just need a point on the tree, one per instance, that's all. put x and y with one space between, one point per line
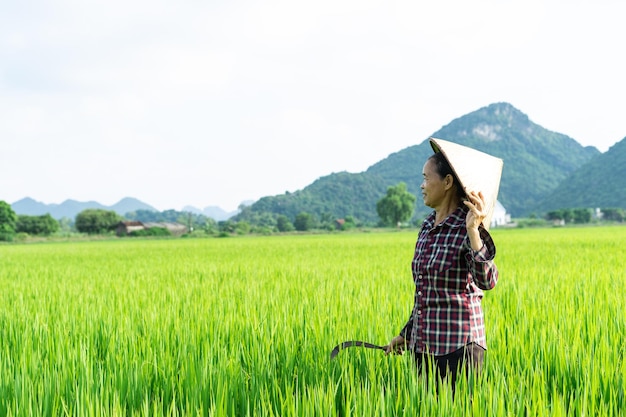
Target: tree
227 226
327 221
66 225
8 220
283 224
582 215
554 215
94 221
37 225
304 221
568 215
210 226
348 223
242 228
397 206
564 214
614 214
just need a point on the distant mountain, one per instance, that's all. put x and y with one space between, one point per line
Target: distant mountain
29 207
70 208
536 160
214 212
601 182
128 204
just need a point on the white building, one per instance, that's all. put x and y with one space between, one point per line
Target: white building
500 216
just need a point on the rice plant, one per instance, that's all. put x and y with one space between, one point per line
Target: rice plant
244 327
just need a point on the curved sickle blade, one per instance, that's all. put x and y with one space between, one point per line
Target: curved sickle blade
351 343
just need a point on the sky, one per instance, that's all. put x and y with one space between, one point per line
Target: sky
216 102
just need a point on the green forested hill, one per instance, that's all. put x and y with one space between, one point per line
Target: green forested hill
536 160
333 196
599 183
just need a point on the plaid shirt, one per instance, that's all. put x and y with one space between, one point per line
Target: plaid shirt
448 277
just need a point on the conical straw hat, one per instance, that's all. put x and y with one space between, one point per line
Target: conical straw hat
475 170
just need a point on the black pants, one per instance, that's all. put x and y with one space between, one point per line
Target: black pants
469 359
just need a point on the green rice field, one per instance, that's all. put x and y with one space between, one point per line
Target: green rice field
244 327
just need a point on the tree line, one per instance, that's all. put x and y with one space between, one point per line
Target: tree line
394 209
586 215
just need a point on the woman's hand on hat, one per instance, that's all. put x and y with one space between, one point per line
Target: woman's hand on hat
477 209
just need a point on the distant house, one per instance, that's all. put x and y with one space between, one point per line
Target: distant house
127 226
500 216
597 214
176 229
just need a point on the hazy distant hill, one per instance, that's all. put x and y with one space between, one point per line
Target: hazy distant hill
599 183
214 212
535 161
128 204
70 208
29 207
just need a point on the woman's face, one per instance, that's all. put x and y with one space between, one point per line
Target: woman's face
433 186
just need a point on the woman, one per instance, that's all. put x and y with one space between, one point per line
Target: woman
453 263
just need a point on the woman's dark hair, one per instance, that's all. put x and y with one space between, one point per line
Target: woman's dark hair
443 168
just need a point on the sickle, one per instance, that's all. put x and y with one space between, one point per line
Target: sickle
351 343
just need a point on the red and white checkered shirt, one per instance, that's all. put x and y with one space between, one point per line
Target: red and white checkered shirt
449 277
